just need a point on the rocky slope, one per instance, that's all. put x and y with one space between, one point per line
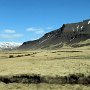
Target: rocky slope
69 34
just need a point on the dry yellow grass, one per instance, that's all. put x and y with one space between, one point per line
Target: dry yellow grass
15 86
46 62
55 62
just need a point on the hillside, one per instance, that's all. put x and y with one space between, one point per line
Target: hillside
69 34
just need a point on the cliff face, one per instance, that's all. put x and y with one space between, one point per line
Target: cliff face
69 34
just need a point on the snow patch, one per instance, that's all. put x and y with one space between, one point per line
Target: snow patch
48 36
88 22
81 27
77 27
73 29
11 45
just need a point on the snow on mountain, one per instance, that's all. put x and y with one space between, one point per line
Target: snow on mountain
9 45
88 22
70 34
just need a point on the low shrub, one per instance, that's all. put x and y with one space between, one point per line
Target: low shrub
19 55
27 54
11 56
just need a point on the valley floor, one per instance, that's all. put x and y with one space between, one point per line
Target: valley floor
42 86
62 62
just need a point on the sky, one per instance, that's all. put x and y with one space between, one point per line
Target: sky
26 20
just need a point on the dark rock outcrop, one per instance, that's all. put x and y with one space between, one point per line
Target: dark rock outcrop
68 34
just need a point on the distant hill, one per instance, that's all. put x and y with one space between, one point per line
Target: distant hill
69 34
9 45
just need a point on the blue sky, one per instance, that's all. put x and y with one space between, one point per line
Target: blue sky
24 20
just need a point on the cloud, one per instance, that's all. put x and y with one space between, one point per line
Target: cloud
33 38
36 30
10 34
9 31
50 27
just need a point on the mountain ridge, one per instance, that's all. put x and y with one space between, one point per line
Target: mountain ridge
67 34
9 45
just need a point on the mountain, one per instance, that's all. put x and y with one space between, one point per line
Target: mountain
8 45
69 34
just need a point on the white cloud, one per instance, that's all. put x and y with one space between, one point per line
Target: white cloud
10 36
50 27
33 38
17 35
36 30
9 31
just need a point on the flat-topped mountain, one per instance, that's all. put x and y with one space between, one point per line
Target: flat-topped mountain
69 34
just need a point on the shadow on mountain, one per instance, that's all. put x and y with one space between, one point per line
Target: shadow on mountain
69 34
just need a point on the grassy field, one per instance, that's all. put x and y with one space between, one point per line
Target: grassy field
51 63
15 86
